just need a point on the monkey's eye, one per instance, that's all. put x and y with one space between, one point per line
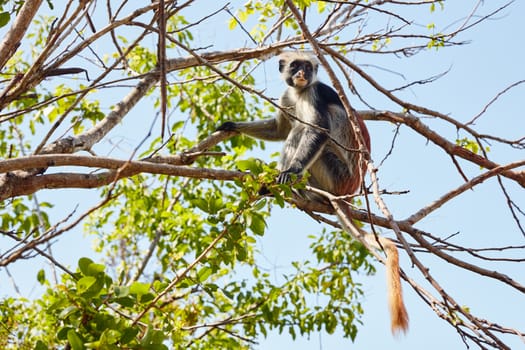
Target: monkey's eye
308 68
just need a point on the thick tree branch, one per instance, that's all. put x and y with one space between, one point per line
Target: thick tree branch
12 39
18 184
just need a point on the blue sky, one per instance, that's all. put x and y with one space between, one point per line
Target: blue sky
478 71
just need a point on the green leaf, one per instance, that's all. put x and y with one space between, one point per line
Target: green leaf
85 283
74 340
62 333
4 18
125 301
83 265
121 292
128 335
153 337
146 298
204 273
67 312
252 164
41 276
40 345
257 224
90 286
471 145
109 336
241 252
202 204
89 268
186 282
95 269
139 288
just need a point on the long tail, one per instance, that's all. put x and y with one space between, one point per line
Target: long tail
398 312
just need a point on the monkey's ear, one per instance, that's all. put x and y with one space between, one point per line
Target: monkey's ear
282 64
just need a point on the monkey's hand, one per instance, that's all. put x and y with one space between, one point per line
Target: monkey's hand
228 126
287 176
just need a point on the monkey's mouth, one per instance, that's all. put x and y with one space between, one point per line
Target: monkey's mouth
300 81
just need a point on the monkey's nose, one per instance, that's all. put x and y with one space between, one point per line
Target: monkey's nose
300 76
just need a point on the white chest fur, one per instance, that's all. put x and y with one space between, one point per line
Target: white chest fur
302 103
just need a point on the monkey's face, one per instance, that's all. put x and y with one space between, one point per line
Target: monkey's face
298 73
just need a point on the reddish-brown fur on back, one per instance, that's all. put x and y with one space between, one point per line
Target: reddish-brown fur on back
353 183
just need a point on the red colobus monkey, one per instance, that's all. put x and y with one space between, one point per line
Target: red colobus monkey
318 139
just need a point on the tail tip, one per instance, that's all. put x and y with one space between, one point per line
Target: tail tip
400 324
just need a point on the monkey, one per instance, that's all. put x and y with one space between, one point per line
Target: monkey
319 139
319 132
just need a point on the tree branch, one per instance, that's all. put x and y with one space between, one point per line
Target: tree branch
451 148
18 184
13 37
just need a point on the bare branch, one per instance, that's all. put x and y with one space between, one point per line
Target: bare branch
451 148
12 39
17 184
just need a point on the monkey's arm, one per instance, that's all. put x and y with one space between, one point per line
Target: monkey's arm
274 129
